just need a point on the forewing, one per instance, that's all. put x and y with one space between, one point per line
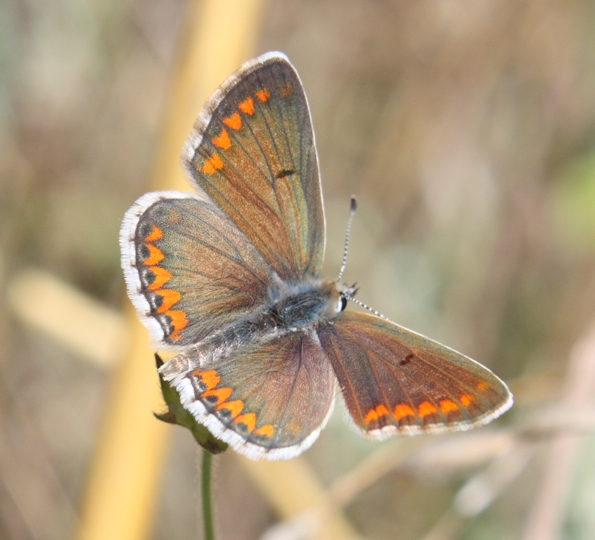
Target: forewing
268 400
253 153
396 381
188 269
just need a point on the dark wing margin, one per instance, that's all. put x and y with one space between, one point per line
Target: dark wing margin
253 152
396 381
188 269
267 400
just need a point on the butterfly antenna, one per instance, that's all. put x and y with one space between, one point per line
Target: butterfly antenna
352 210
367 307
348 292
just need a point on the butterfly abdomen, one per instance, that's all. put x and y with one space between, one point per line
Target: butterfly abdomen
297 308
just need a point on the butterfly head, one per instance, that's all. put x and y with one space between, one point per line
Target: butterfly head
346 293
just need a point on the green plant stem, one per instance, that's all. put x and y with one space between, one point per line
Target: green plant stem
207 506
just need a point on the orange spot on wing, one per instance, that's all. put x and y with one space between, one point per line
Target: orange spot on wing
169 298
178 321
403 410
466 399
162 276
263 95
267 430
234 121
209 378
212 164
374 414
381 410
223 140
482 386
286 90
425 408
447 405
234 407
222 394
370 416
155 255
247 106
248 419
156 234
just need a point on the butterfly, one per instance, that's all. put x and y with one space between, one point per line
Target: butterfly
228 277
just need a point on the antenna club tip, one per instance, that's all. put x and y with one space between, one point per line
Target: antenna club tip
353 203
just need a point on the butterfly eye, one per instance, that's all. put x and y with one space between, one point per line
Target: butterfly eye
341 304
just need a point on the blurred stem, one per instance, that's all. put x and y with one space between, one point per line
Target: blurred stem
207 506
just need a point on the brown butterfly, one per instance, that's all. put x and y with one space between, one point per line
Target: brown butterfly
229 278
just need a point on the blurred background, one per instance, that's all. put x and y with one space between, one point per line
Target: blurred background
467 132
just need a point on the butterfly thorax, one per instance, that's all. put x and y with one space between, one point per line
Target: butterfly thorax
297 306
292 307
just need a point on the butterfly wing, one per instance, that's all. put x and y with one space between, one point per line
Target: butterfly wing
266 400
396 381
188 269
252 151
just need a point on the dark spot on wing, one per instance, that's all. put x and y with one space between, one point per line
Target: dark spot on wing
407 359
284 173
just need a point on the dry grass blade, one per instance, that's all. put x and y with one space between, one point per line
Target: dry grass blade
546 516
122 489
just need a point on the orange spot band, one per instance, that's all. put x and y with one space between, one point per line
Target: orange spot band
482 386
234 407
248 419
263 95
371 416
209 378
247 106
222 394
234 121
425 408
403 410
267 430
178 321
212 164
223 140
169 299
162 276
286 90
155 255
447 405
156 234
466 400
374 414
